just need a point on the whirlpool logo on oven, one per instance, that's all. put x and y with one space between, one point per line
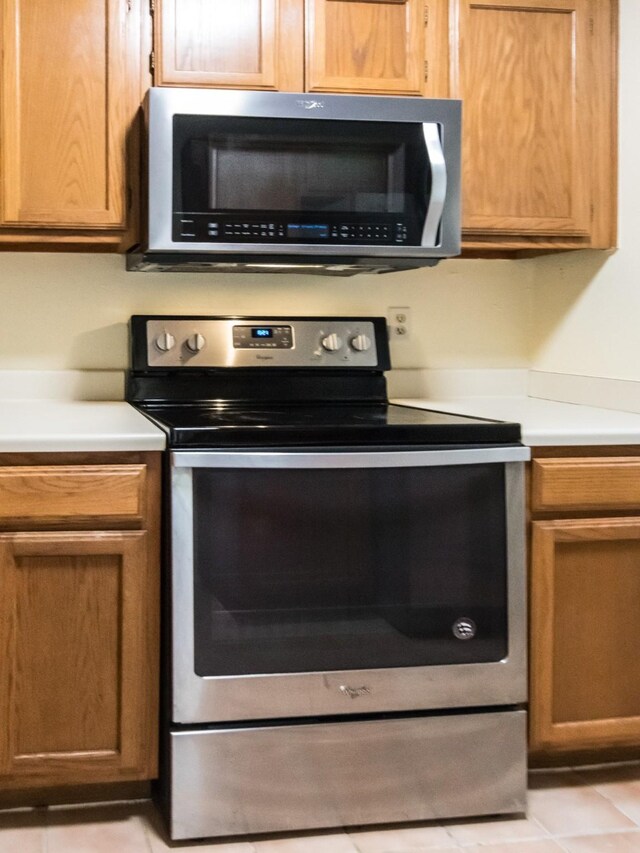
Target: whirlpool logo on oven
355 692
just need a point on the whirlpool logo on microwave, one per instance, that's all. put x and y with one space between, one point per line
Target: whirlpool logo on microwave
311 105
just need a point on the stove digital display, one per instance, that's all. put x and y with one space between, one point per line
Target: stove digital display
255 337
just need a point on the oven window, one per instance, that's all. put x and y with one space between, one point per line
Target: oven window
311 570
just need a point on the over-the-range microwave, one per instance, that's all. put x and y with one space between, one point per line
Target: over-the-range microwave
270 181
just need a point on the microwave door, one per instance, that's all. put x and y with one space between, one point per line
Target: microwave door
436 197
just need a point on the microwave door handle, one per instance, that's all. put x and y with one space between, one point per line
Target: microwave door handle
438 184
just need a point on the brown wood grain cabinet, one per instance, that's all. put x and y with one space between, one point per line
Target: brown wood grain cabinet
366 47
585 597
538 84
362 46
246 44
79 574
70 88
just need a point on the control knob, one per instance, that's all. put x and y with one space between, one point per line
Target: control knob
331 342
165 341
195 343
361 343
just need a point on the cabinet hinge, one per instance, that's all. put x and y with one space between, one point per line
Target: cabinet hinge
592 211
152 61
426 71
426 16
591 26
152 6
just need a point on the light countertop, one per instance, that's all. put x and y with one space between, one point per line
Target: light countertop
75 425
544 422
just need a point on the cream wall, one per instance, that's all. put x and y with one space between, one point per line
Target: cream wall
63 311
587 305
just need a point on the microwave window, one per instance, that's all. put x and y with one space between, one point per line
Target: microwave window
260 176
300 167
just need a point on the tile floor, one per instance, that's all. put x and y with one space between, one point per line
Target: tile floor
584 810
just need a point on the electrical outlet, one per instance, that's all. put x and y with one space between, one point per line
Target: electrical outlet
399 323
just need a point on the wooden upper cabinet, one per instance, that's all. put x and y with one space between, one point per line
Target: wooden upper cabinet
522 70
70 89
246 44
368 46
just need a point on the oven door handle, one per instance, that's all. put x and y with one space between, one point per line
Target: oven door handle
347 458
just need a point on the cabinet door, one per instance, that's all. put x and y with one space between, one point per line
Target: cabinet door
524 72
366 46
250 44
78 647
585 649
70 89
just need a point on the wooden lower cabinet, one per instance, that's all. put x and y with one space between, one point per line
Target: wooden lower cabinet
585 646
79 646
584 604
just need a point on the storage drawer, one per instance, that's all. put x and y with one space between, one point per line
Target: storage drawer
39 495
607 483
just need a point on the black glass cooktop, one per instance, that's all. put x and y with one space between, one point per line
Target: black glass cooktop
210 425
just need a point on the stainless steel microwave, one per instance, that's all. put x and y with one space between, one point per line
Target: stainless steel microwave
242 180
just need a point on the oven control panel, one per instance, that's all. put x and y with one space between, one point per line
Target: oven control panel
203 342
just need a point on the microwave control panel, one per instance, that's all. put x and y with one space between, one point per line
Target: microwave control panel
214 228
202 342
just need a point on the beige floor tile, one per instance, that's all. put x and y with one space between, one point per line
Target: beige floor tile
402 839
332 842
22 831
618 842
97 829
619 784
548 846
494 830
518 847
159 844
575 809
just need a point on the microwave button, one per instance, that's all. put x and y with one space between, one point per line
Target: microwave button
187 228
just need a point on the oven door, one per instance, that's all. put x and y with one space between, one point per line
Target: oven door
345 582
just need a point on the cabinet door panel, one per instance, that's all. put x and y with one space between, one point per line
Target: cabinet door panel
78 638
603 483
32 495
252 44
69 91
521 69
585 652
366 46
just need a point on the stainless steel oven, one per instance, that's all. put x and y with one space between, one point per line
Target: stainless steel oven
345 588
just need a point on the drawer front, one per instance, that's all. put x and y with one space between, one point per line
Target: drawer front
607 483
37 495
